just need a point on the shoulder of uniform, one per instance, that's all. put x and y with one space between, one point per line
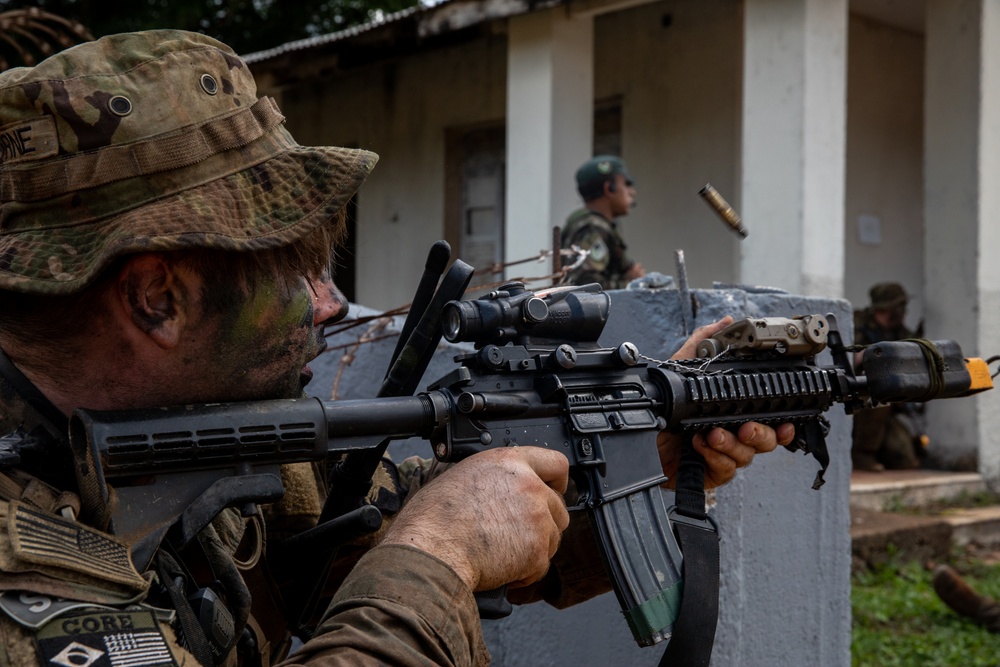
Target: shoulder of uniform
586 221
63 632
44 554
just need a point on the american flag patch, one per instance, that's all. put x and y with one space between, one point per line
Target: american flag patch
137 649
43 539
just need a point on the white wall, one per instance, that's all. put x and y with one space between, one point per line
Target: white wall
680 88
676 65
400 110
679 85
885 88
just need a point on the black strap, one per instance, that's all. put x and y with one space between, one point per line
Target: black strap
693 633
192 635
349 480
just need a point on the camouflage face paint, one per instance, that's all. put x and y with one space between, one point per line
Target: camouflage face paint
262 344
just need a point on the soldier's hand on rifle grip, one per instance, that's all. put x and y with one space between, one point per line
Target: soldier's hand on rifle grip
506 516
724 452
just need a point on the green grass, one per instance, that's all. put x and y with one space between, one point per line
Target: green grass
898 620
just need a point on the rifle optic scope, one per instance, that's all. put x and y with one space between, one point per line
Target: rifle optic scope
512 313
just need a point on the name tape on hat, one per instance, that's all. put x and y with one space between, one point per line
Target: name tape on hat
26 140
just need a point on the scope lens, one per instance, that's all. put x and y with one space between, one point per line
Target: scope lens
451 321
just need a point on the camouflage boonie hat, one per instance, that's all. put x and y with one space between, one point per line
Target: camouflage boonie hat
599 169
151 141
887 295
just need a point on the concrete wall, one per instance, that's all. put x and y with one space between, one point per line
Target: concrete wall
961 206
400 110
785 597
675 65
885 121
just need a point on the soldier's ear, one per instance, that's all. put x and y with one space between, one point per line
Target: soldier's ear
153 292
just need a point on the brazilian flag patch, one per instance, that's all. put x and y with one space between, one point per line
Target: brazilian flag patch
106 638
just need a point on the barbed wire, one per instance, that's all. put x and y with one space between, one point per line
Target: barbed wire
348 357
379 322
29 35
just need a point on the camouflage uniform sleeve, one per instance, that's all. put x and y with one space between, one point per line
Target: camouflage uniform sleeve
596 268
414 472
70 595
625 260
399 606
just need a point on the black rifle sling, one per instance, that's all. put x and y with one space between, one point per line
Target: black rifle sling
350 479
693 633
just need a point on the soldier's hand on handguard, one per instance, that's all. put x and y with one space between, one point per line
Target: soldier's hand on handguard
495 517
724 452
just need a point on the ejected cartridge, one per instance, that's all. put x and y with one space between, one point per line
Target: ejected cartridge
725 211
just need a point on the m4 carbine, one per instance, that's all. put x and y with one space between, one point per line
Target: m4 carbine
537 377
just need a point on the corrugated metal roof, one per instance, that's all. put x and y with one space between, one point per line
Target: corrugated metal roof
330 38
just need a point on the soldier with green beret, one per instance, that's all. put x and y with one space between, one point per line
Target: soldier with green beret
608 193
165 241
887 436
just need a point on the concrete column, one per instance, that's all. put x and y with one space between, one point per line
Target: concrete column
550 116
962 215
794 119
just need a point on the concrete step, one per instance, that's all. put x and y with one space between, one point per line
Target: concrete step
893 490
892 515
979 525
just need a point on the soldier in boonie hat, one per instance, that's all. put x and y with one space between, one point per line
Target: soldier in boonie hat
150 141
887 295
886 436
164 241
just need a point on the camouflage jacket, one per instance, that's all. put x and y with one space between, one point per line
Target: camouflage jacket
70 594
608 261
867 330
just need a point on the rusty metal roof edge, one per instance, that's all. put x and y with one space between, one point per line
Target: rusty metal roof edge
442 17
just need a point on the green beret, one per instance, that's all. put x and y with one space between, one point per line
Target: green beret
597 170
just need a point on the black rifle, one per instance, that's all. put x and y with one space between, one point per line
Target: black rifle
537 377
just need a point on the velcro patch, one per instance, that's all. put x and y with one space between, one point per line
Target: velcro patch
105 639
599 254
33 610
48 540
27 140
